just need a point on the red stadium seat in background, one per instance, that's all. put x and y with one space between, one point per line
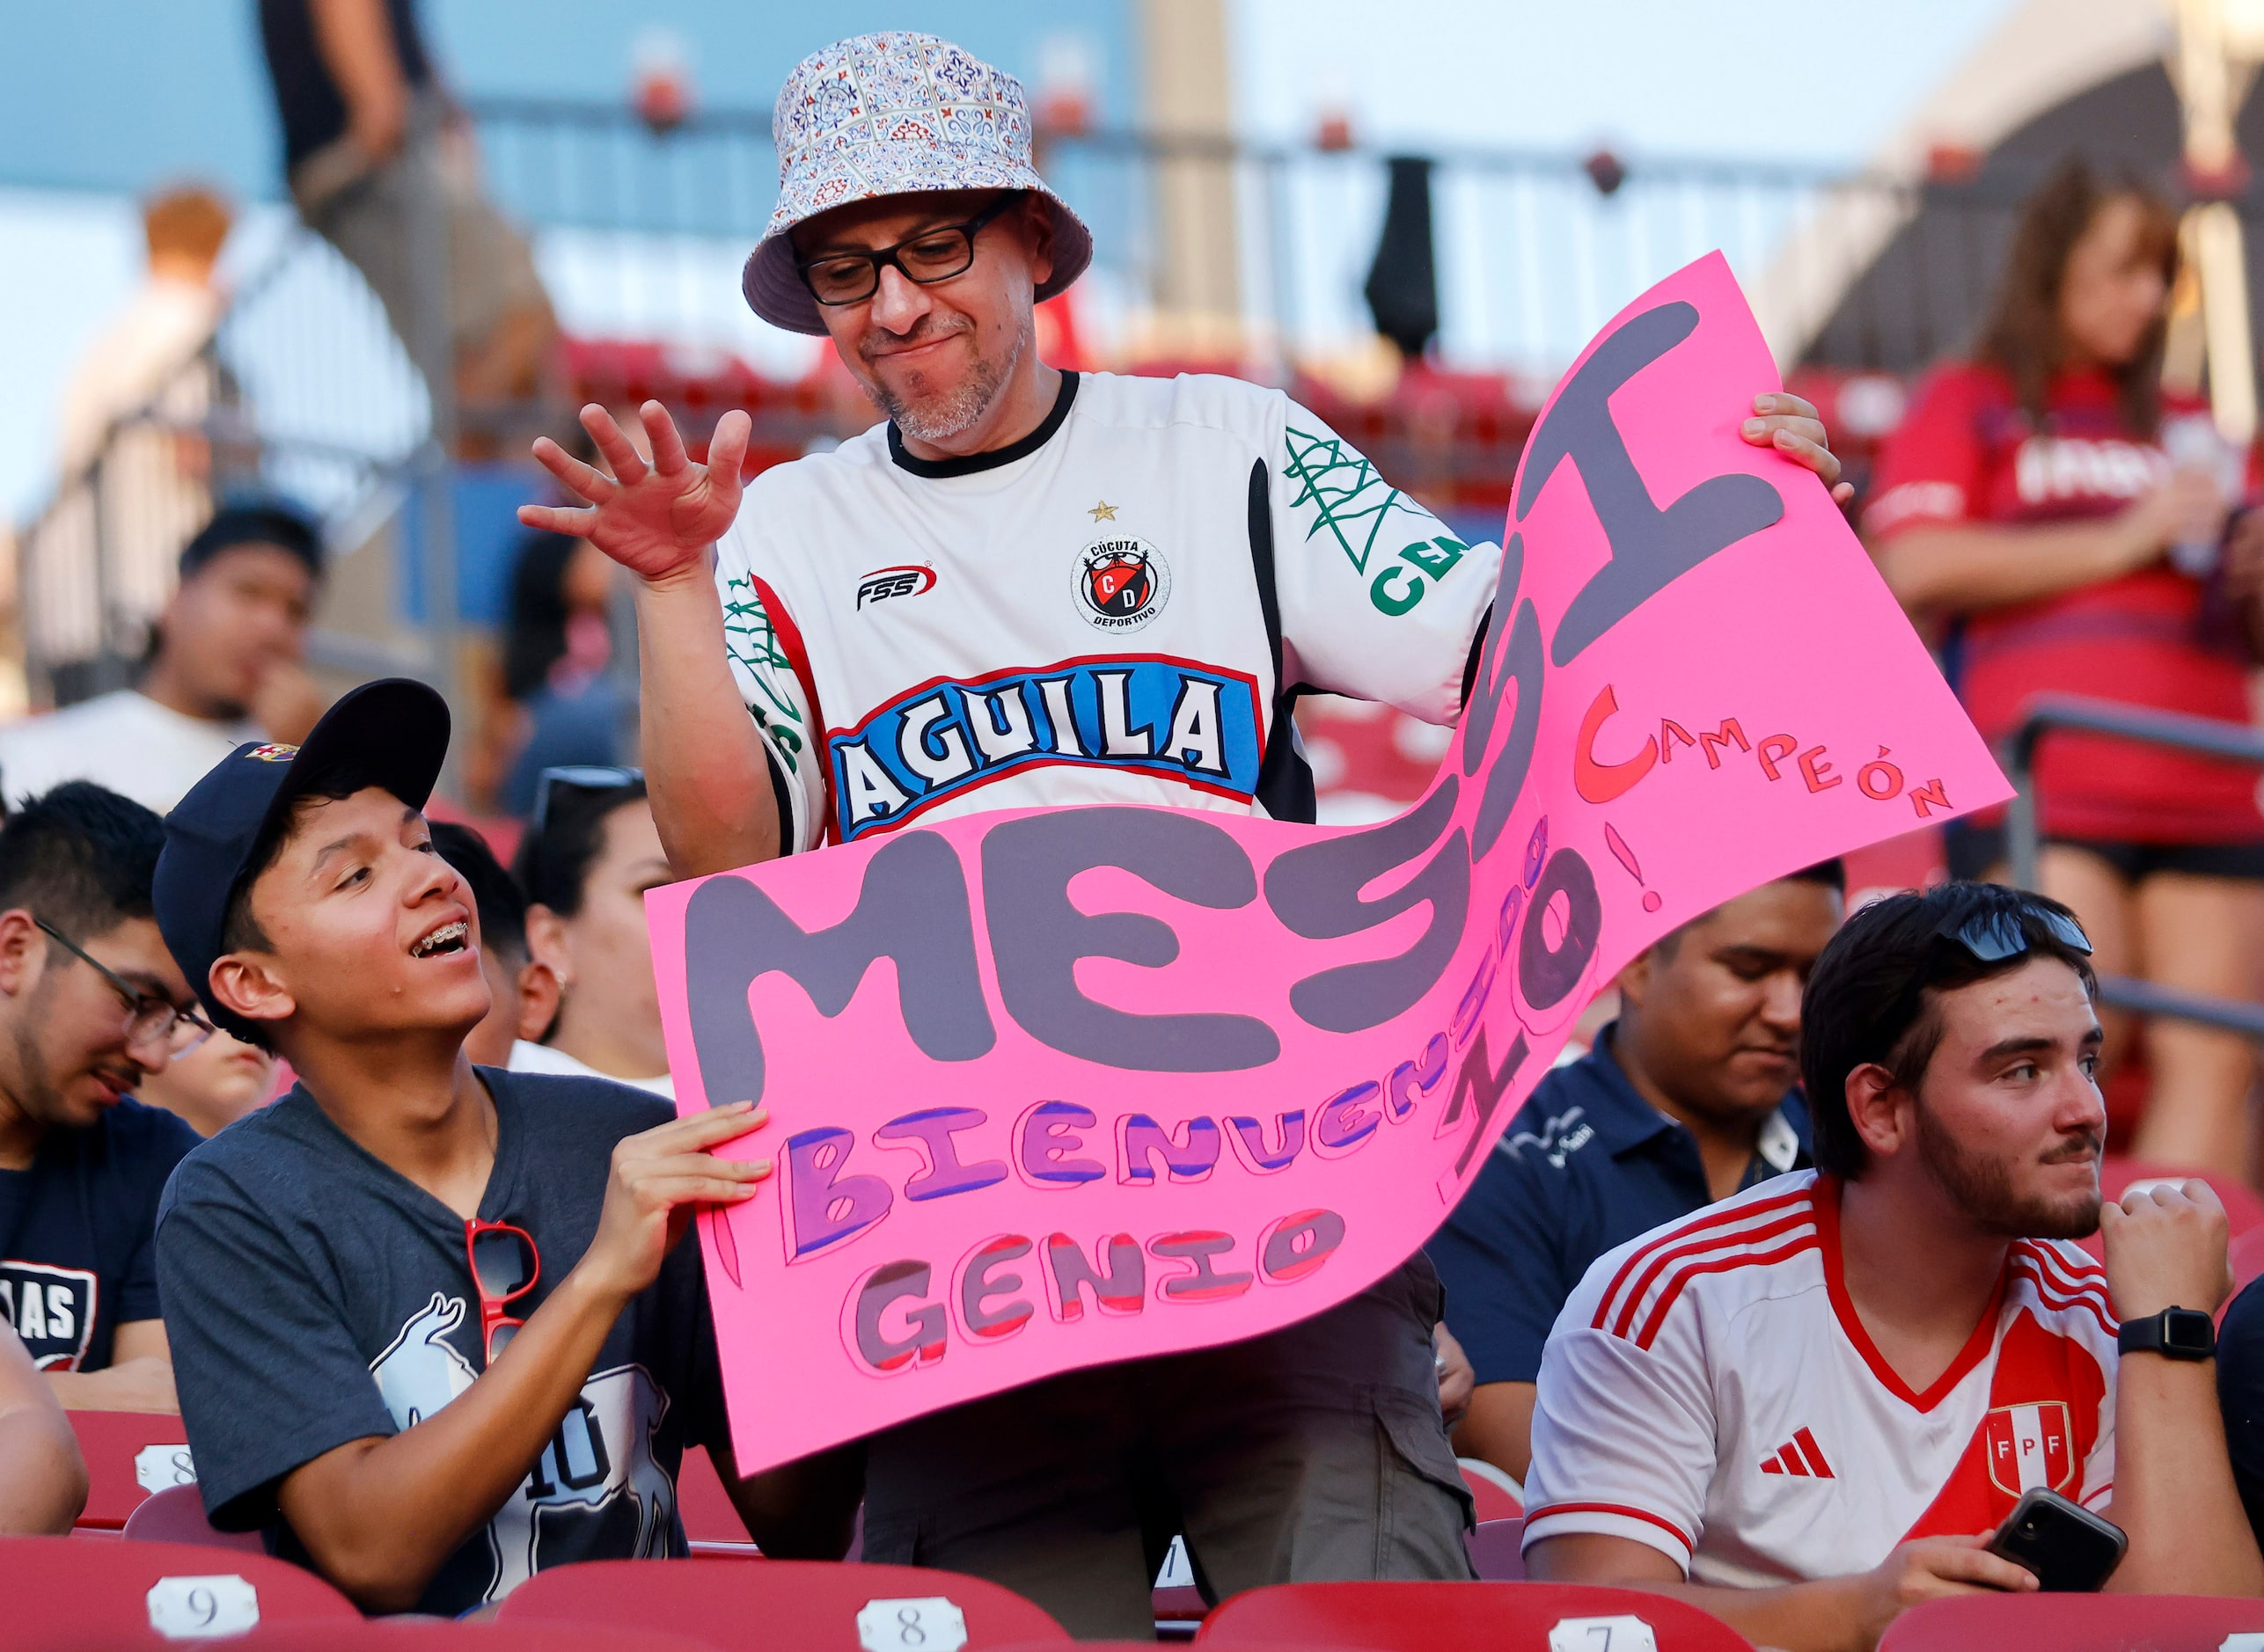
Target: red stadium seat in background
64 1594
129 1455
1497 1495
1498 1550
2248 1258
1423 1617
2072 1623
1145 1646
811 1605
711 1520
398 1635
176 1515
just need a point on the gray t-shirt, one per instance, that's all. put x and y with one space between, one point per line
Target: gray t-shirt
313 1296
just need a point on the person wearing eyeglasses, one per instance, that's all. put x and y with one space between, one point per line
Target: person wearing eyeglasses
1029 587
433 1326
588 854
92 1007
1810 1406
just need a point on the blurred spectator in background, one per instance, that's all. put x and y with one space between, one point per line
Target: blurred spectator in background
137 469
591 852
561 707
224 667
215 1081
369 139
1691 1095
523 988
42 1475
146 361
2032 497
92 1005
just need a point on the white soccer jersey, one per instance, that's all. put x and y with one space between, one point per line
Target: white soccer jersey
1709 1390
1081 617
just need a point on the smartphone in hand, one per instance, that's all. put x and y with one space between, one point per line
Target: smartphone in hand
2072 1550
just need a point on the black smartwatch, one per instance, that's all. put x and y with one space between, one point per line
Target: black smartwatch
2174 1333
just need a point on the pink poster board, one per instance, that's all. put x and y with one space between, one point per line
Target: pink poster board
1053 1087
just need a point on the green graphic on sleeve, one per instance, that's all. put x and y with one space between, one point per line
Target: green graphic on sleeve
1343 492
752 641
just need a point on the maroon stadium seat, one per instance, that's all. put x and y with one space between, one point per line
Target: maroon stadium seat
176 1515
1144 1646
711 1520
114 1442
811 1605
64 1593
2072 1623
396 1634
2247 1258
1423 1617
1498 1550
1490 1490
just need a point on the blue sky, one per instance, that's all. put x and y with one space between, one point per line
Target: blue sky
102 98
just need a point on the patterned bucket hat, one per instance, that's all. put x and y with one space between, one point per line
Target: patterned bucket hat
896 113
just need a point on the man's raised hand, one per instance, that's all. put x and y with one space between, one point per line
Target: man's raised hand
655 519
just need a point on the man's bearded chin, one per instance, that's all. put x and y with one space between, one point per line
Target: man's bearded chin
940 416
1982 1189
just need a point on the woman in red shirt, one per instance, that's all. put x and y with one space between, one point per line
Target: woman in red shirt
2030 498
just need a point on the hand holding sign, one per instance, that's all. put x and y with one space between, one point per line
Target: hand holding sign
1139 1080
658 1176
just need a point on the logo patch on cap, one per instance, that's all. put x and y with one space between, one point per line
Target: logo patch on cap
272 753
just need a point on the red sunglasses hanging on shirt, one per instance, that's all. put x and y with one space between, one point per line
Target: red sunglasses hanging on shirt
504 1267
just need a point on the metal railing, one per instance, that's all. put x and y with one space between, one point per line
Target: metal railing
639 236
2171 731
1535 249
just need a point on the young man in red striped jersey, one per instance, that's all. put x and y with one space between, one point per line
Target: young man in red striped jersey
1816 1402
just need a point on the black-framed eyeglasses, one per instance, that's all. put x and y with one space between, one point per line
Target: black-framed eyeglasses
1994 934
931 256
151 1020
578 777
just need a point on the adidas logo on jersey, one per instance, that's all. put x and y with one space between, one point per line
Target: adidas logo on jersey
1802 1455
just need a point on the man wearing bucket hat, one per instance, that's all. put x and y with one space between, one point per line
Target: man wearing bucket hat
1033 587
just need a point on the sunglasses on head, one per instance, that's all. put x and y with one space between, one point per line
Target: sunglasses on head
1994 934
579 777
504 1267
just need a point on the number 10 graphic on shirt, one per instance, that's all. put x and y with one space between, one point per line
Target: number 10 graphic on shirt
1053 1087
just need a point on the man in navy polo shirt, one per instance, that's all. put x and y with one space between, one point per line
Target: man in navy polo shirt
91 1005
1690 1096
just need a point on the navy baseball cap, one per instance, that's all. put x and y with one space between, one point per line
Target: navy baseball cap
392 734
